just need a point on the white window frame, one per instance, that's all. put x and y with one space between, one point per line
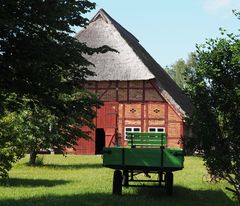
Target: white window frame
132 130
156 129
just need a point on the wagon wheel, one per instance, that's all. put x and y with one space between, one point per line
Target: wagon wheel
169 183
160 178
125 178
117 182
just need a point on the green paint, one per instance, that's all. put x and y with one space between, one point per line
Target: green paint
146 139
160 158
145 157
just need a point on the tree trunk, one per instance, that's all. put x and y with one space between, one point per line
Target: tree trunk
33 157
238 194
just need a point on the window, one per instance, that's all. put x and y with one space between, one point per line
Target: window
131 129
156 129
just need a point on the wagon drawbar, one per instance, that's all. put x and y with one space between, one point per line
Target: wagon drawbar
147 153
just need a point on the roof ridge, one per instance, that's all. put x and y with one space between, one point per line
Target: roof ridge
109 19
101 13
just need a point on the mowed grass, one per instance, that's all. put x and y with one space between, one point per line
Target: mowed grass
81 180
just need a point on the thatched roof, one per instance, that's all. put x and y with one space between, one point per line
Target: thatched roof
103 30
132 62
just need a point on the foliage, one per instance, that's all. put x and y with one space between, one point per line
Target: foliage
214 87
72 180
11 143
178 70
43 68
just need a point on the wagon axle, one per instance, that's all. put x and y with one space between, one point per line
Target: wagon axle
122 178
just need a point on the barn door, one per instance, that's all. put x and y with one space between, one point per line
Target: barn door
85 146
107 119
111 123
111 115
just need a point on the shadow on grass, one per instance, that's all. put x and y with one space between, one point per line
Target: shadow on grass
185 196
74 166
19 182
140 197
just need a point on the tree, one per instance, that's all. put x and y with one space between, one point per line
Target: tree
42 69
214 87
11 142
178 70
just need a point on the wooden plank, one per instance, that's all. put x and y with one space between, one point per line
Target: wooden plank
146 139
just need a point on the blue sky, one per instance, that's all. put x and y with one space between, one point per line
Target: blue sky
170 29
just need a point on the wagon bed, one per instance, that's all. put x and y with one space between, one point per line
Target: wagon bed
148 159
146 153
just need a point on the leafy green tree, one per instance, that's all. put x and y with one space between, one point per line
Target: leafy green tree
178 70
11 141
42 69
214 87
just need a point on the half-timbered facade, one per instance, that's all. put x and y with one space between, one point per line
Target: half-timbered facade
138 94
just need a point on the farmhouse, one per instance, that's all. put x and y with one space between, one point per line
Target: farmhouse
138 94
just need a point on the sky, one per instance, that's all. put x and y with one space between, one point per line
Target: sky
170 29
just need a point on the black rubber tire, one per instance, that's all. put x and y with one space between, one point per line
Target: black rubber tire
125 178
117 182
160 178
169 183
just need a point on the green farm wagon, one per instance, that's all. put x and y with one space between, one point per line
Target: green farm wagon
146 153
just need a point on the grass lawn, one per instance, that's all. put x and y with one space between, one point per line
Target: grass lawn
81 180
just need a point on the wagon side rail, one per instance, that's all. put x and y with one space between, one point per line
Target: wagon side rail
153 139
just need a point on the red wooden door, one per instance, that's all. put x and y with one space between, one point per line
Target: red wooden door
111 115
107 119
85 146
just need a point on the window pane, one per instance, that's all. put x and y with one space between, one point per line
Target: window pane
152 130
128 129
136 129
160 129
